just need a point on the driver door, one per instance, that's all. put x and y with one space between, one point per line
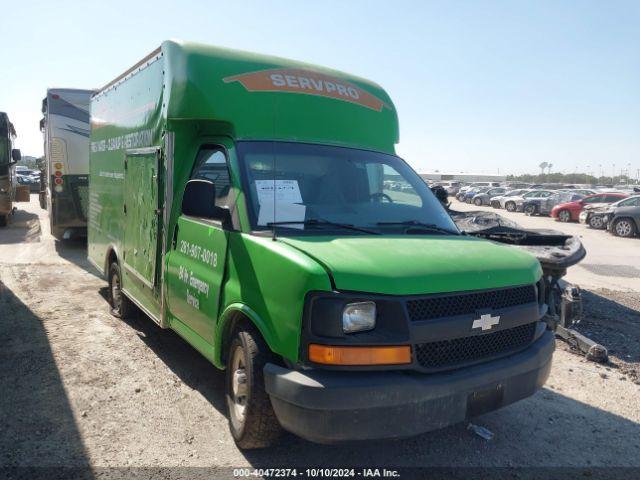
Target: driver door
198 253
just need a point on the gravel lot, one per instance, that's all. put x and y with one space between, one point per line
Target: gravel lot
81 388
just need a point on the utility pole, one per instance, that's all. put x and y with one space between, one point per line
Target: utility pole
613 173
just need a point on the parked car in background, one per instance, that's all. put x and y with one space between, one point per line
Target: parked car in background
514 204
570 211
596 215
544 205
499 201
484 198
452 188
476 185
468 196
517 186
583 191
623 220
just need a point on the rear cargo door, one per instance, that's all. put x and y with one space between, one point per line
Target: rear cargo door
142 214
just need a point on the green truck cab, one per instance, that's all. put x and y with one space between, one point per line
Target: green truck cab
256 206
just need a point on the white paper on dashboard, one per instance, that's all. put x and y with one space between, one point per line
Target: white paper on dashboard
285 212
287 191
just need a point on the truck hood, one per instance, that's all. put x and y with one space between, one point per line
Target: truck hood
412 264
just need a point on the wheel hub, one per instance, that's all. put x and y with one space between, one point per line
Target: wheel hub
238 385
115 290
623 228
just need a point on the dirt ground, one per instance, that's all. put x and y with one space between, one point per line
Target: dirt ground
82 388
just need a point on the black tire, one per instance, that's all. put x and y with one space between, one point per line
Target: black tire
478 202
252 420
121 306
510 206
597 222
623 227
58 233
530 210
564 216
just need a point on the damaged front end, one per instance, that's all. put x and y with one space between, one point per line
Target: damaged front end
556 252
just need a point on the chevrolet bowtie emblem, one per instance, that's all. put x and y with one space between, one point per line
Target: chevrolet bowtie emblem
486 322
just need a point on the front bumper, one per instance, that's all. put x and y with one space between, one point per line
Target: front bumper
332 406
582 218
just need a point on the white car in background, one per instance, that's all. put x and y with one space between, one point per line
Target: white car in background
514 204
499 201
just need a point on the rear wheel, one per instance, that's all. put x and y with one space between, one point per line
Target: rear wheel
564 216
252 420
121 306
478 202
597 222
510 206
624 227
530 210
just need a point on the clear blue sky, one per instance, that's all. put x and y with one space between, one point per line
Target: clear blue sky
479 85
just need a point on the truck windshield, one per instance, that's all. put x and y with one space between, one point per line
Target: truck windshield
319 185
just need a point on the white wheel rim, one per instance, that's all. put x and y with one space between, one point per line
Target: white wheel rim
623 228
239 392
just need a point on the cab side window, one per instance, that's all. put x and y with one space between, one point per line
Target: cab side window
211 164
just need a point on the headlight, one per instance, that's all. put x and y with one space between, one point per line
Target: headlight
358 317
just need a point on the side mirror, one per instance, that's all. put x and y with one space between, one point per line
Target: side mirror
15 155
199 200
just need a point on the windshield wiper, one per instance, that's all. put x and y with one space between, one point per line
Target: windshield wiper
426 226
316 222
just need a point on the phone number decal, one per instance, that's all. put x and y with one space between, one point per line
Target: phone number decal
199 253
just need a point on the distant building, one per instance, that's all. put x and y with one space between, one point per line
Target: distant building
463 177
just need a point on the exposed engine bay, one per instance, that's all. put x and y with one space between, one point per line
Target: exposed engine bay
556 252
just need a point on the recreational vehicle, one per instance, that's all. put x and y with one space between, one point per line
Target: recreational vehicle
64 193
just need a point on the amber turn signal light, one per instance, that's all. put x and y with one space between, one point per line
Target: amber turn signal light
333 355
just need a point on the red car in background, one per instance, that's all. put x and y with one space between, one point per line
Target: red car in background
568 212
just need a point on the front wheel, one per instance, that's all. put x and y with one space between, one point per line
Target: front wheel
597 222
510 206
564 216
252 420
530 210
478 202
624 227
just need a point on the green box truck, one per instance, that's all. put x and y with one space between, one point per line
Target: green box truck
8 158
256 206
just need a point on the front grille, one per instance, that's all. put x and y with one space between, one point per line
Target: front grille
460 351
469 303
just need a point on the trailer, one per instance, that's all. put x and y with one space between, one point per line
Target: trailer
65 178
8 158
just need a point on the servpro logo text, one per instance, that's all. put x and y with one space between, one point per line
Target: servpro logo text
307 82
